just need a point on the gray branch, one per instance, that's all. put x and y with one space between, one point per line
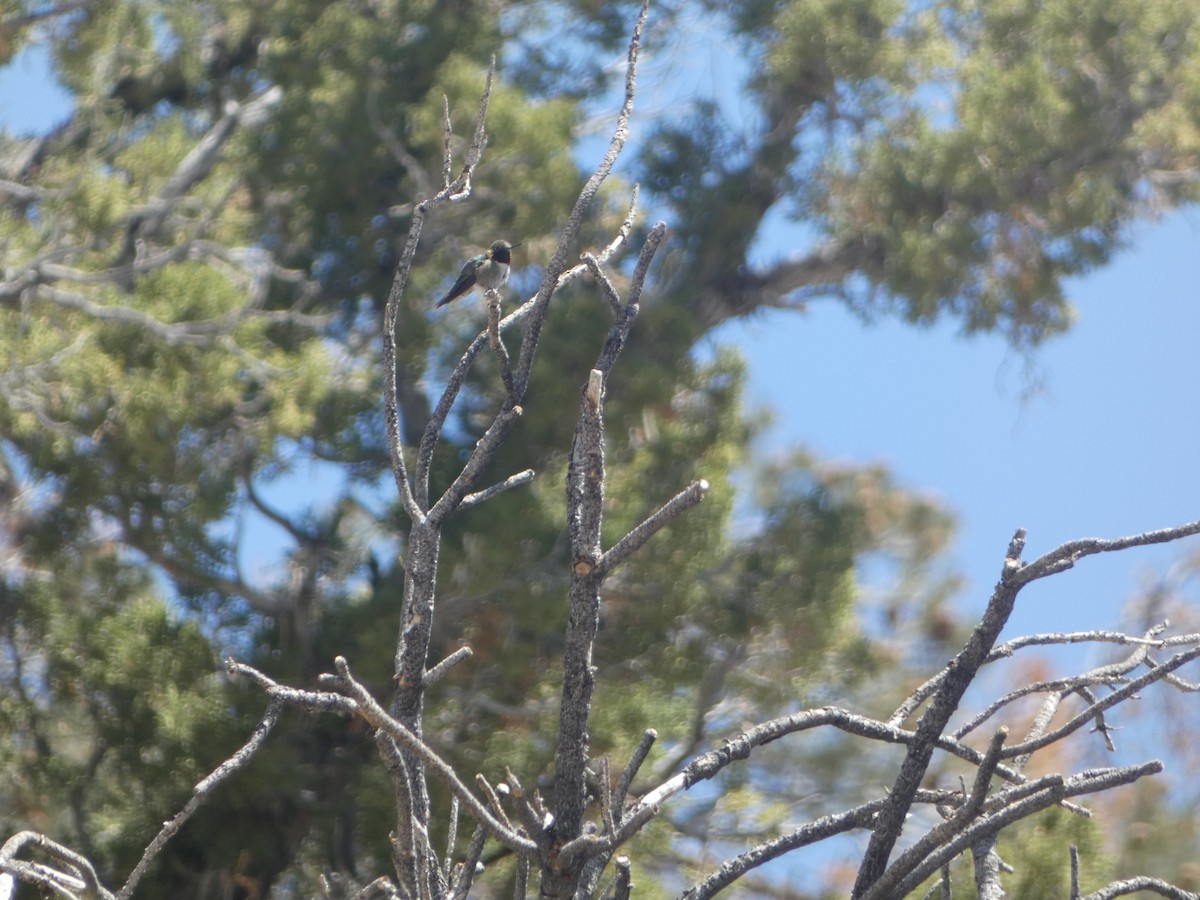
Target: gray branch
636 539
437 420
201 792
961 672
75 877
558 263
1139 884
451 191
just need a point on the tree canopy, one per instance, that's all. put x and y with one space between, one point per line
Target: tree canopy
197 265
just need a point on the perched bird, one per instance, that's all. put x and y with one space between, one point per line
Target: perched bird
487 270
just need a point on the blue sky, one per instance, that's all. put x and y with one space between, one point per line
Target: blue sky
1106 445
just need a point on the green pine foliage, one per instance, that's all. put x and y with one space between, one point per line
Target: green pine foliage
196 334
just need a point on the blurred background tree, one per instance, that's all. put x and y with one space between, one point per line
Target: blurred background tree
195 263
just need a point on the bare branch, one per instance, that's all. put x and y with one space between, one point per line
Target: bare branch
447 133
451 837
466 869
606 797
508 483
481 457
496 342
438 672
958 821
585 506
377 717
1108 674
1060 686
457 377
558 263
1007 649
451 191
740 747
826 827
962 670
1190 687
201 793
1002 810
1141 883
1129 690
585 502
76 877
987 866
531 817
623 884
361 703
983 775
941 887
1065 556
636 539
493 799
606 286
649 736
406 848
521 882
966 838
461 188
619 332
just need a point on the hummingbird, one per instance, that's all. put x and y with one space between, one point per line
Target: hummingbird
487 270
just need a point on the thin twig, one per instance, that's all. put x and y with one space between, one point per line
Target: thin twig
492 798
458 375
507 484
965 814
945 701
606 797
606 286
377 717
649 736
1066 555
361 703
451 837
497 344
80 877
663 516
466 870
1007 649
450 192
1129 690
485 450
1141 883
201 792
531 818
558 262
1002 810
438 672
823 828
